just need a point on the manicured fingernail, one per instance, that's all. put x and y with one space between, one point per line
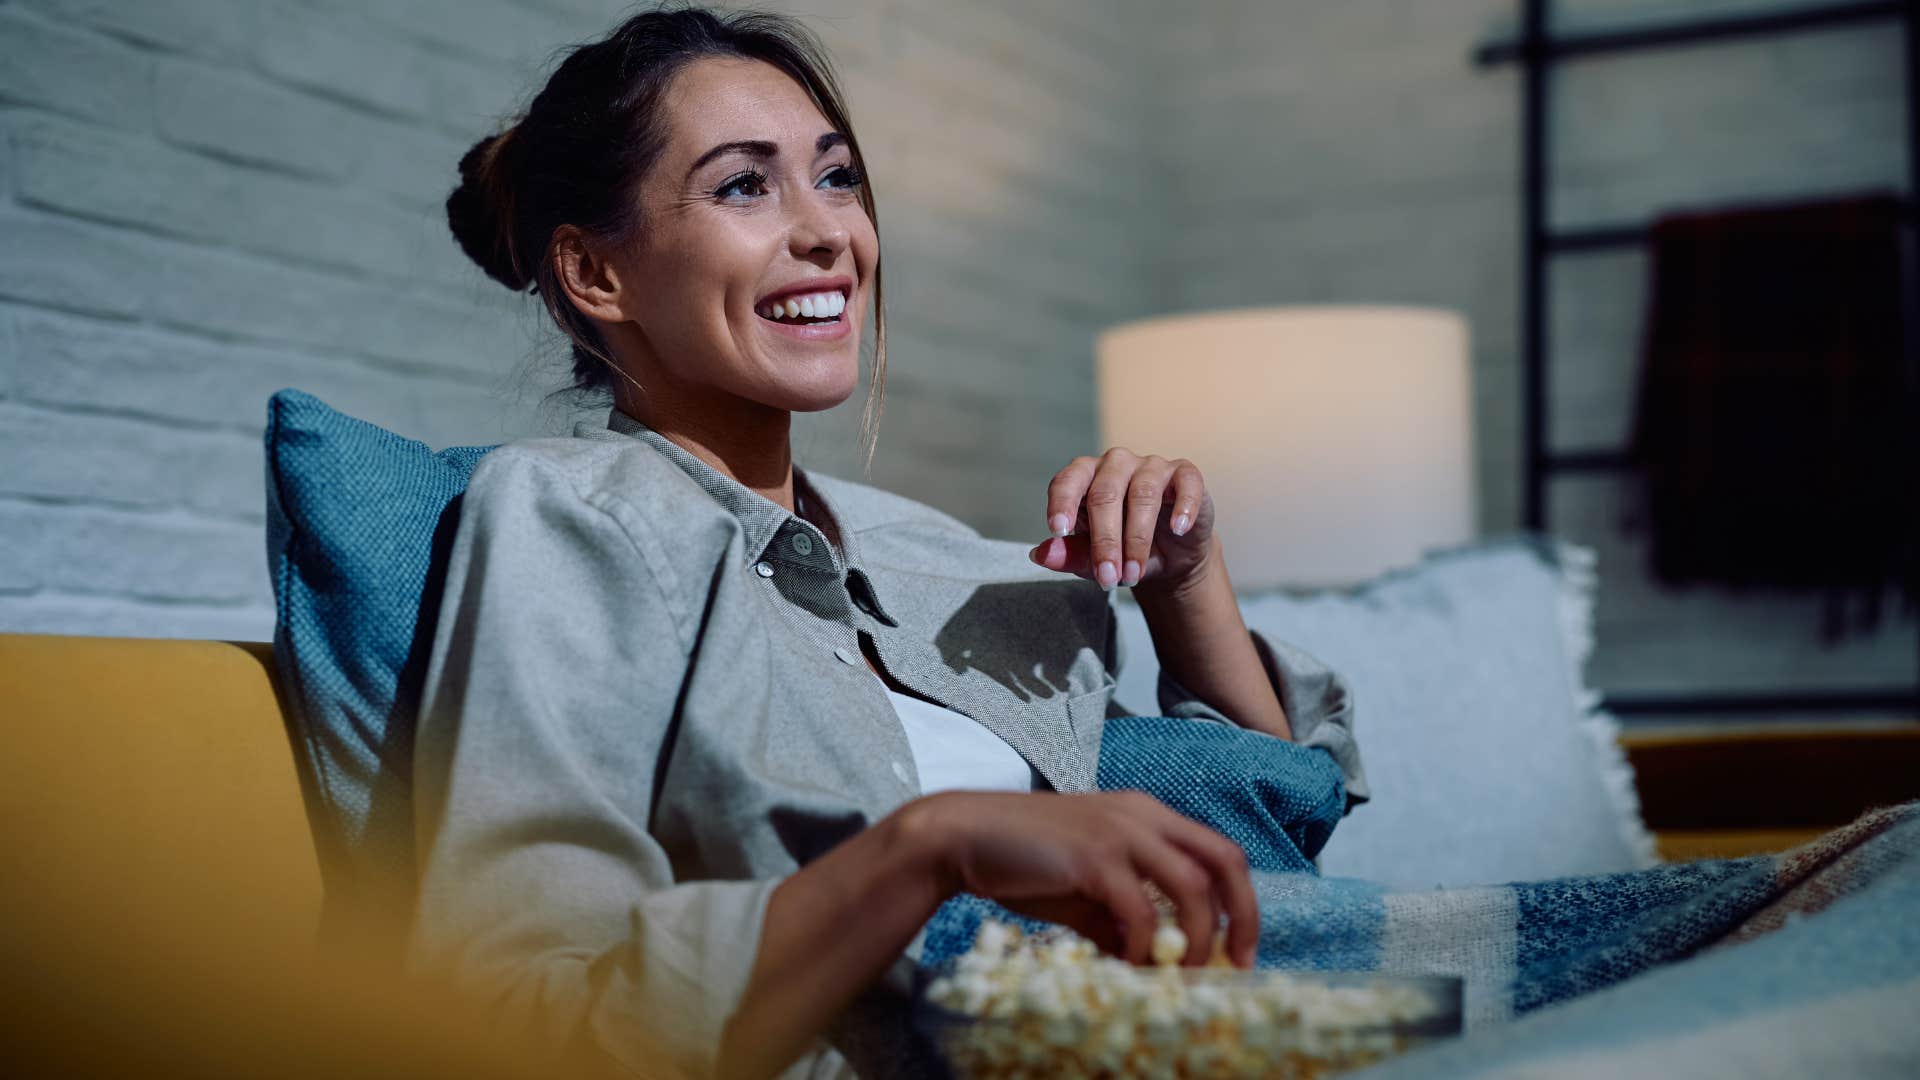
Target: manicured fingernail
1132 575
1180 524
1059 523
1107 574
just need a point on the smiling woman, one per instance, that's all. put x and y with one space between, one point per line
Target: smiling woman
706 738
681 176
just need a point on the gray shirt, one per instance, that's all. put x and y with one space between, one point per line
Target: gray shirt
645 704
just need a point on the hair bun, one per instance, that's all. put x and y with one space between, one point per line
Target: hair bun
481 210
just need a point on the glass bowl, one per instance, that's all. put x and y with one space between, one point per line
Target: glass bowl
1212 1022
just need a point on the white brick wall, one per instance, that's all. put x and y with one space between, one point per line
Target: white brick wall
1351 152
202 201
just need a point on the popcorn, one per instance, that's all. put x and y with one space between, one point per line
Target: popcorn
1050 1005
1169 944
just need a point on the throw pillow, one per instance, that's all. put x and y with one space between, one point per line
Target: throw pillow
359 523
1486 756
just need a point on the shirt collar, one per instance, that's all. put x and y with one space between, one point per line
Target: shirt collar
771 532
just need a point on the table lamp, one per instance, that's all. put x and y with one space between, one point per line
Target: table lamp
1337 440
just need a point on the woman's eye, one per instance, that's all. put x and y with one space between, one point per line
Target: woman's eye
747 180
848 177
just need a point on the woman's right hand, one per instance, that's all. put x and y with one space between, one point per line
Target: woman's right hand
1084 860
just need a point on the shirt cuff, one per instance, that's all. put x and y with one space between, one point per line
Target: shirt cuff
686 965
1318 703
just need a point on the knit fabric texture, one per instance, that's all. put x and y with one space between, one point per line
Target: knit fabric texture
359 520
1278 800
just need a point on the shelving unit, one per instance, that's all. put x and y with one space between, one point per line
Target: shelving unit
1537 51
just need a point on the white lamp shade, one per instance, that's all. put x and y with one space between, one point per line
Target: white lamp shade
1337 440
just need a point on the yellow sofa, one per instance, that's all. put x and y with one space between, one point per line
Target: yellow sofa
160 889
170 762
164 765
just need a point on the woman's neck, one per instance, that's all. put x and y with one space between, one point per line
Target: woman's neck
749 442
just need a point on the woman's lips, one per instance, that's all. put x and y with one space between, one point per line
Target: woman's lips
826 331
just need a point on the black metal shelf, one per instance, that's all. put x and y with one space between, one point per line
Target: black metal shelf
1536 50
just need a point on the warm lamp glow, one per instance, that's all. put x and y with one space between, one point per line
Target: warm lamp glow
1337 441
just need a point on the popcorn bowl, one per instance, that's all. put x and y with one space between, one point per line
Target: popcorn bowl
1178 1021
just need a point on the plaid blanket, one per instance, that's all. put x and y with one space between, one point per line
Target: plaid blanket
1769 965
1526 945
1799 964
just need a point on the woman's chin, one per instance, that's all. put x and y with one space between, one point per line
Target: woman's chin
820 399
816 388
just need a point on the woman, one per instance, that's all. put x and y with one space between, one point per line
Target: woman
706 737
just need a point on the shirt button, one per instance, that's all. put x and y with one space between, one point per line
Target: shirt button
763 569
845 656
802 544
900 771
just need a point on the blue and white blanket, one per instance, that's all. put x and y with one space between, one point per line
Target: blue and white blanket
1805 963
1800 963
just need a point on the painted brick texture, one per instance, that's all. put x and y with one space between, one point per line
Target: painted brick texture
204 200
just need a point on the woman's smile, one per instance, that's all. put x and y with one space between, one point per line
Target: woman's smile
814 309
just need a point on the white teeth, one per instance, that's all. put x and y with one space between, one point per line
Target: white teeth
828 305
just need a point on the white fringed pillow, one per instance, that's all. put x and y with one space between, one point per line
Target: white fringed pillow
1487 756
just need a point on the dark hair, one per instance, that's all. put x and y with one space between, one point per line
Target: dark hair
578 151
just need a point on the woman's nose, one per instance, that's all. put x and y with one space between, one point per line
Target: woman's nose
818 234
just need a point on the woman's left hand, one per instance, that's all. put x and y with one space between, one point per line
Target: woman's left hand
1123 519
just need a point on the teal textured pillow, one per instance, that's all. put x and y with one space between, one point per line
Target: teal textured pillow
359 523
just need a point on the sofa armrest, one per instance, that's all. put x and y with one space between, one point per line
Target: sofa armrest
158 770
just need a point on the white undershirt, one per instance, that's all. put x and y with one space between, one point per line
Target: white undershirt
952 750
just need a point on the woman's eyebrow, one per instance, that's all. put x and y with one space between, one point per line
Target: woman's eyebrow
760 148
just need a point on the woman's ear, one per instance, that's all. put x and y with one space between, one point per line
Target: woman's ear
590 279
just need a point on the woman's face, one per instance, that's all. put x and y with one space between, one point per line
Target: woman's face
753 200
